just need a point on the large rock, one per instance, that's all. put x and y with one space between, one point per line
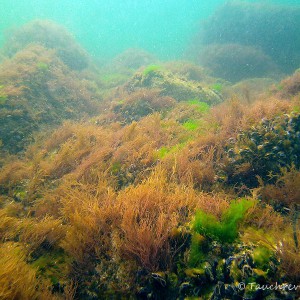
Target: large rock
269 29
37 89
171 85
51 36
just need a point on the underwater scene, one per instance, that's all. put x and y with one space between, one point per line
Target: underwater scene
149 149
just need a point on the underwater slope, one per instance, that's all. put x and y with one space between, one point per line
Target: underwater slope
174 189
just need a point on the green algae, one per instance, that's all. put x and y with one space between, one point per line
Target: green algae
200 106
165 150
191 125
151 69
225 230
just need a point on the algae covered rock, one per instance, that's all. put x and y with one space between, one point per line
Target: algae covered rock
154 76
290 86
37 88
189 71
265 26
235 62
51 36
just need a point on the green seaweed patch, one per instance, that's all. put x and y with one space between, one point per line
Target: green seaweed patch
235 272
280 87
200 106
164 151
3 99
226 229
191 125
198 250
42 66
296 109
217 87
150 69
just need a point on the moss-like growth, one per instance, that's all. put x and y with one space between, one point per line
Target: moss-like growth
3 99
198 249
217 87
42 66
53 266
3 95
164 151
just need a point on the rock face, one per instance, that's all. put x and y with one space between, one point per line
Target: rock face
171 85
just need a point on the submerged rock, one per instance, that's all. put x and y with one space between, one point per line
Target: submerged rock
171 85
51 36
36 89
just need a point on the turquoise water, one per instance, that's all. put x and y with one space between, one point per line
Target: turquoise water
106 28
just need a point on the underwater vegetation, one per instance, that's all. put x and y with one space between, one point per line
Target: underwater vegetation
224 230
141 179
140 103
249 32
